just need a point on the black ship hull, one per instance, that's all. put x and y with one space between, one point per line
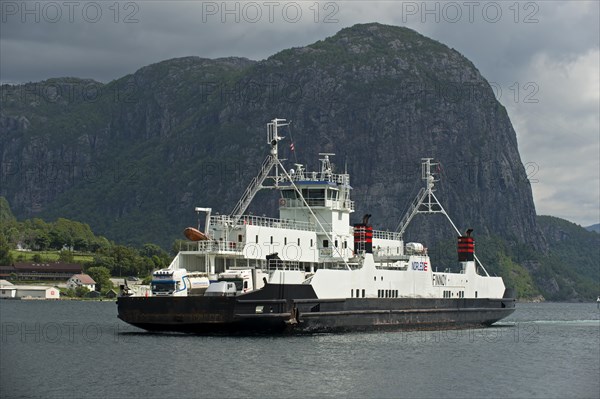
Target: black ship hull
258 313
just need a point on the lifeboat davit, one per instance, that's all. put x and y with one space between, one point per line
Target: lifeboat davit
193 234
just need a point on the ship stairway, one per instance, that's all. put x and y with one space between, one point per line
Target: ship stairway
410 213
254 186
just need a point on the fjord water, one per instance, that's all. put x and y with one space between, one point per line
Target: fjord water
69 349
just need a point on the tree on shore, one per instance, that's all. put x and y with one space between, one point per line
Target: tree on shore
81 291
6 258
101 276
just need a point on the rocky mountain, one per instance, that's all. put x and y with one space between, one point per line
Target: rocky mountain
594 227
133 157
571 267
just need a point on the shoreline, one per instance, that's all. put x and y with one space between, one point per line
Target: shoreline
61 299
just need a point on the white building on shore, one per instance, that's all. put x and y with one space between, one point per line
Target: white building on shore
81 280
10 291
7 289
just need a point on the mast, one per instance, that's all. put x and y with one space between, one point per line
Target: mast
280 175
426 202
270 161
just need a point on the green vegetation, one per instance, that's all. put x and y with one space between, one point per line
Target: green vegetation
517 277
63 234
573 261
81 291
50 256
78 292
6 215
6 257
101 276
73 242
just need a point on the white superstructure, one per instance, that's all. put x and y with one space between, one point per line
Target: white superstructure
312 242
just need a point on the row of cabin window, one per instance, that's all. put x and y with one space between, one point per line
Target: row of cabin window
387 293
394 294
325 242
461 294
284 240
311 193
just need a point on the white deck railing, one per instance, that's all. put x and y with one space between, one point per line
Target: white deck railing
387 235
212 246
262 221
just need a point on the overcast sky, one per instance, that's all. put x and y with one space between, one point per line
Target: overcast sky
541 56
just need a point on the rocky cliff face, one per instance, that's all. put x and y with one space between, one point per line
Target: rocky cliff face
133 157
571 270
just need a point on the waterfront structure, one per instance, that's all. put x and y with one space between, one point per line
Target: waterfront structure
40 271
7 289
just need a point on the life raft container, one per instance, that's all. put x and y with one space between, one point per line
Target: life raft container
193 234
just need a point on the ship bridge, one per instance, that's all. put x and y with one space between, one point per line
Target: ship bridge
320 198
319 189
313 225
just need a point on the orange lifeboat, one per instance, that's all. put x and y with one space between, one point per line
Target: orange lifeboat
193 234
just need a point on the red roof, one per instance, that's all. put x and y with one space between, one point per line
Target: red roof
84 278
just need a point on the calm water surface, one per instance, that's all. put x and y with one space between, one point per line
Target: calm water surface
69 349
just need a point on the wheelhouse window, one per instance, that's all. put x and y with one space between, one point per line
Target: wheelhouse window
289 194
314 196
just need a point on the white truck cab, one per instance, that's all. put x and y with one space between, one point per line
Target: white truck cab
178 282
167 282
245 280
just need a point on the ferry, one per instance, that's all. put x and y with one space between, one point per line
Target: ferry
310 270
